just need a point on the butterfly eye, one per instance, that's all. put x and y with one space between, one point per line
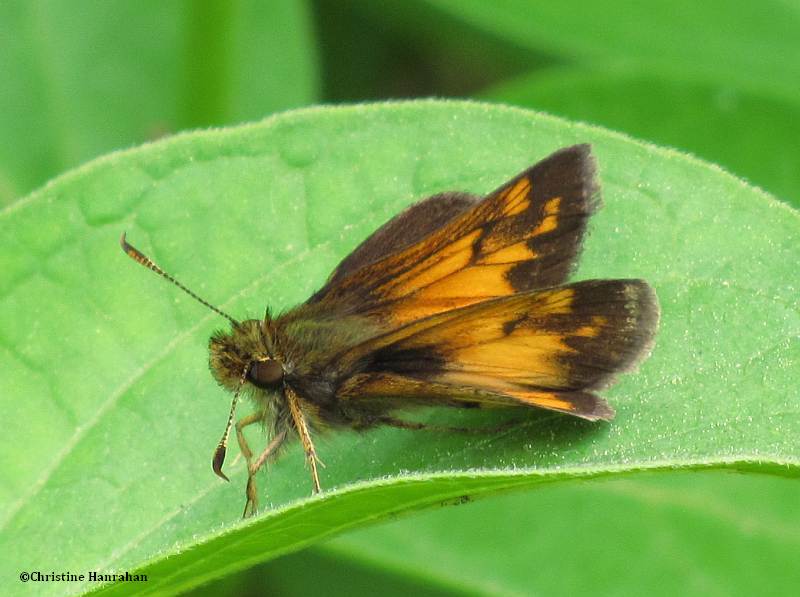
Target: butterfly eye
265 374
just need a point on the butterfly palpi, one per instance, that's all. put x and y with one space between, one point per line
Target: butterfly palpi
457 301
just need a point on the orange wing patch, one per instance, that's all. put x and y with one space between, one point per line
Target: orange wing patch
516 199
451 258
513 341
550 220
593 329
519 251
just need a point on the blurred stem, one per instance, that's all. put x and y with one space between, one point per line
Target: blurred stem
208 48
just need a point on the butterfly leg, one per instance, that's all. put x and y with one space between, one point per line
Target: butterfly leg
305 436
240 425
244 448
399 423
413 425
251 505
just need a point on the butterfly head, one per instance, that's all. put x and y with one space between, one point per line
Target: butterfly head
244 356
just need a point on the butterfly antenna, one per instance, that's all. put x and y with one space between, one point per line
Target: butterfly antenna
222 446
144 260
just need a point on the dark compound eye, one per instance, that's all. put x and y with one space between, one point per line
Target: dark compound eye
265 374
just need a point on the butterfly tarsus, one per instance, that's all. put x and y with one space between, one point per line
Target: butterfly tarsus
251 505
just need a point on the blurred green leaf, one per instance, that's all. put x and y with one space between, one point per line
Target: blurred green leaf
106 364
332 573
270 56
665 534
752 133
377 50
83 78
755 44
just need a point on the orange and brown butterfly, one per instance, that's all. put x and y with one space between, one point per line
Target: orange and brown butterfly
457 301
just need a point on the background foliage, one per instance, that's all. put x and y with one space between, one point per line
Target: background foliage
716 79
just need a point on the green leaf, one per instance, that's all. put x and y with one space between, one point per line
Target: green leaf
756 44
104 365
750 132
83 78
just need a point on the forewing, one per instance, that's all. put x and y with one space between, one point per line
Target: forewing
550 348
525 235
406 228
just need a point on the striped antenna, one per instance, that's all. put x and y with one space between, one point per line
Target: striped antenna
144 260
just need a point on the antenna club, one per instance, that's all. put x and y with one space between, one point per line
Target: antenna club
138 256
218 460
129 249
